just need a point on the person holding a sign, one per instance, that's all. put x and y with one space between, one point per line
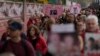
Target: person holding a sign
66 18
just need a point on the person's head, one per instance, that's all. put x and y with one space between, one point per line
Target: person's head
92 23
64 14
82 11
45 18
80 17
15 29
48 24
88 12
33 31
83 17
70 18
80 26
38 21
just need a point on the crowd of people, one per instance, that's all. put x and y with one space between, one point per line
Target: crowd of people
35 41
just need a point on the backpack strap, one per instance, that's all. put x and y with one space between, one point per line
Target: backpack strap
4 46
25 47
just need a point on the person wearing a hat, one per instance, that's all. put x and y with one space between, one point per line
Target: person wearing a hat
17 45
5 35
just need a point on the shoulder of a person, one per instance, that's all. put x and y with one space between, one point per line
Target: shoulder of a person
27 42
5 33
42 38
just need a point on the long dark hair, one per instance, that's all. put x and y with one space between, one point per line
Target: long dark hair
37 31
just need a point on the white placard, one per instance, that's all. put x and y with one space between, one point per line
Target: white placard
63 28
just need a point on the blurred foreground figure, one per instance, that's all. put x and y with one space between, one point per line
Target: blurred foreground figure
70 47
63 45
7 54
